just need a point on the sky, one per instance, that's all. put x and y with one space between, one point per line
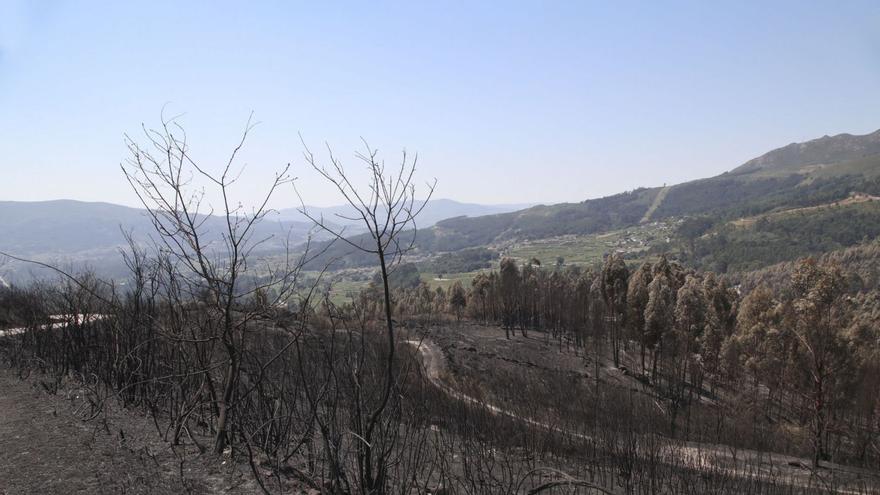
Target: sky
503 102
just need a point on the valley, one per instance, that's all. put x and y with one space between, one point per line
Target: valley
439 248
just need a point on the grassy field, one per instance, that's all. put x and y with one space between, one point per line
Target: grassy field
448 279
575 250
343 290
591 249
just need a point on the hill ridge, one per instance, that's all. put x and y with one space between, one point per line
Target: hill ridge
824 150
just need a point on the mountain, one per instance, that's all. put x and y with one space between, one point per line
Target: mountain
820 171
435 211
815 179
802 157
77 233
817 172
64 226
68 232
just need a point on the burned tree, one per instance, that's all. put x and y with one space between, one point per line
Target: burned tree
615 278
208 252
509 280
457 299
387 208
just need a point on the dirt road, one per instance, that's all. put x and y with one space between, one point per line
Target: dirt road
737 462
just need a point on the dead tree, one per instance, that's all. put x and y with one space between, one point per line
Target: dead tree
387 208
210 249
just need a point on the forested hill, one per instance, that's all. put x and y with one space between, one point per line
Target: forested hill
816 153
432 212
816 172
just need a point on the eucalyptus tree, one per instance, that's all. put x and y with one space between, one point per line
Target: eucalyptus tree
719 326
637 300
821 312
457 299
659 311
615 278
761 342
510 285
690 319
482 297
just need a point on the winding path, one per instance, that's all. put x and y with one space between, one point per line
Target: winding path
745 464
434 363
58 321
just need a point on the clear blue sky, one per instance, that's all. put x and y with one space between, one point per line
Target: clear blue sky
504 102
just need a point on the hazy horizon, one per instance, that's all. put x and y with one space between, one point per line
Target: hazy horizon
297 206
524 103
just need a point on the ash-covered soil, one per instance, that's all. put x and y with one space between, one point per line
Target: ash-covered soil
47 448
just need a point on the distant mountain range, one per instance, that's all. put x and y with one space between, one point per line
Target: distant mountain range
799 176
68 232
67 227
75 234
435 211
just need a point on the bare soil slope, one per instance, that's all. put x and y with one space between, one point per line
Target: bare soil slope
45 448
478 365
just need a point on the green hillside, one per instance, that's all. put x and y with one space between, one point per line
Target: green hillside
773 238
791 177
818 172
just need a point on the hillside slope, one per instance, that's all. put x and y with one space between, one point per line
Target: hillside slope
817 172
434 211
786 177
800 157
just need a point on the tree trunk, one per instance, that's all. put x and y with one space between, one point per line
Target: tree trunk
220 437
654 365
642 349
819 419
